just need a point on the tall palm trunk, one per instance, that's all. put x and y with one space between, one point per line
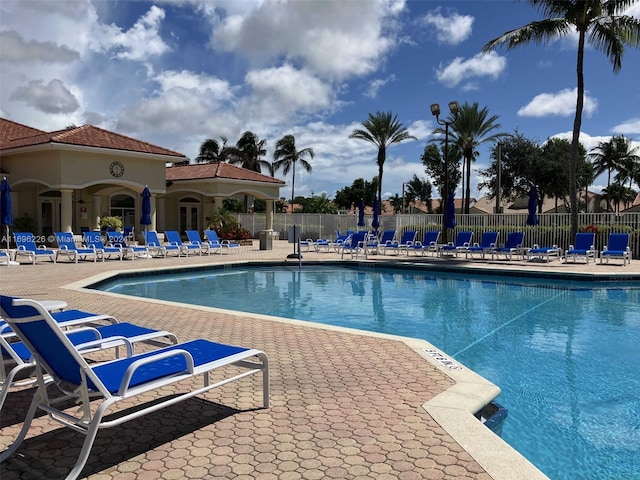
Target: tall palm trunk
468 194
575 141
382 156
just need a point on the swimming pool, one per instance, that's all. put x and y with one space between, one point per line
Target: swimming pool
565 354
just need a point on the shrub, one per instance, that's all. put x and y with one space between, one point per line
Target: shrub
111 222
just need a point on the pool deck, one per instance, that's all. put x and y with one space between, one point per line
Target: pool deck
344 404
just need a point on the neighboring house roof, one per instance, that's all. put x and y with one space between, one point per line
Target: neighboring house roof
15 135
217 170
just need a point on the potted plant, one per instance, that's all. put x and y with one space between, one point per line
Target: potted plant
111 223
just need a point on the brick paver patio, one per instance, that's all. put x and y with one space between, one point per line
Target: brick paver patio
343 405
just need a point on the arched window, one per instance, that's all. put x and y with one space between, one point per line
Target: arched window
123 206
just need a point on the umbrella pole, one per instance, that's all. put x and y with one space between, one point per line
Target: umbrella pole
9 261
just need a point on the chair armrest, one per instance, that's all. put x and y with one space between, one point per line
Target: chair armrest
106 342
128 374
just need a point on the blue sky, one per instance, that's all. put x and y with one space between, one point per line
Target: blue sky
175 73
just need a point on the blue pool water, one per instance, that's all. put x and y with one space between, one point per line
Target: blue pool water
566 355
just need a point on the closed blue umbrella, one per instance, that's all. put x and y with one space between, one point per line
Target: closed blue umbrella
375 223
532 219
361 213
146 207
450 212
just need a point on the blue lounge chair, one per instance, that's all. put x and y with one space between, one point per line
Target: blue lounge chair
354 245
16 357
156 247
618 247
513 246
386 238
429 243
215 242
462 242
407 239
26 243
119 239
584 246
94 240
194 239
127 380
543 253
5 258
173 237
67 246
488 242
336 245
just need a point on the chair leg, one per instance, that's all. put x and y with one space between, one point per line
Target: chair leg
90 437
25 426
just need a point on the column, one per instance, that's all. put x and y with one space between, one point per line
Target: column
66 215
157 213
269 218
97 209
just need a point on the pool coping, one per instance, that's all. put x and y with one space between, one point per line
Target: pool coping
453 409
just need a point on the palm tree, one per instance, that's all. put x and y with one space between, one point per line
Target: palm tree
598 22
382 129
616 154
472 128
419 190
251 149
286 156
212 151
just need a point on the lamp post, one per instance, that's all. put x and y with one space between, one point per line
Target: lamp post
454 108
403 197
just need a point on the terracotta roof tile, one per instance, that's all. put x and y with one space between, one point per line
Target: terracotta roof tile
14 135
217 170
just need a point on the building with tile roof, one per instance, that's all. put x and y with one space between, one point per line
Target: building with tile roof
67 180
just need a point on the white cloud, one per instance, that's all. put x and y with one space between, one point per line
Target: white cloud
344 39
51 98
201 83
140 42
289 89
15 49
481 65
562 103
588 141
377 84
630 127
452 29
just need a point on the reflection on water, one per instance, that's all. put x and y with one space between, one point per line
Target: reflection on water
565 356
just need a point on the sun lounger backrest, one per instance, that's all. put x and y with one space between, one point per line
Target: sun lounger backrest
173 237
408 237
212 236
26 240
151 238
618 241
431 237
93 239
194 237
463 239
387 236
116 239
40 337
65 239
514 240
584 240
489 239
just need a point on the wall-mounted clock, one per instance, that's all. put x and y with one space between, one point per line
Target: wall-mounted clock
116 169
